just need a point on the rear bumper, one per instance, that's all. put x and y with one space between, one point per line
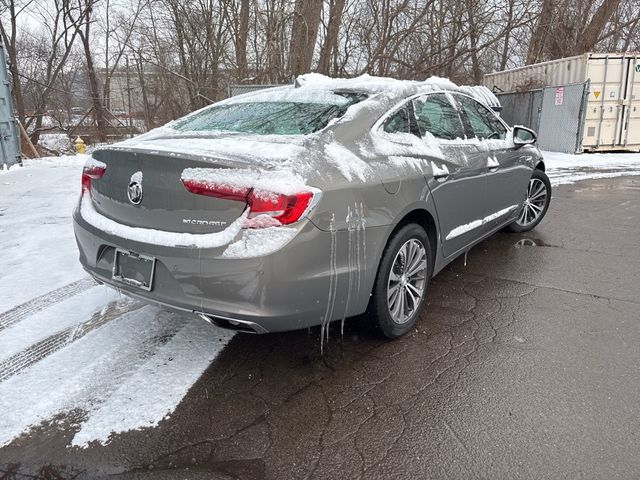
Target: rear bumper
285 290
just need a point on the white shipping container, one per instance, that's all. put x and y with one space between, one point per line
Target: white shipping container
612 110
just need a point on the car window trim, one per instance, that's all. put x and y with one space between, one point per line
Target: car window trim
468 122
378 125
453 105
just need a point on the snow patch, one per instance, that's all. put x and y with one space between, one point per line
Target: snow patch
158 237
36 202
136 177
291 94
242 149
401 145
93 163
156 388
349 164
130 373
258 243
439 171
566 168
265 183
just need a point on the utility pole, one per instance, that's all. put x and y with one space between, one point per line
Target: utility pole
126 59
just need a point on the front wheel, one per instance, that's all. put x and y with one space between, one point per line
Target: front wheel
401 283
536 203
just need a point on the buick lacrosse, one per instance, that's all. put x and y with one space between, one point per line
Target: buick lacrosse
300 205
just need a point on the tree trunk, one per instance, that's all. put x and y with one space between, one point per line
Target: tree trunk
473 40
507 37
241 41
306 20
592 32
330 43
94 89
540 32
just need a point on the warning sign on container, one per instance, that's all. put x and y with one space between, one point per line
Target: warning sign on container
596 93
559 96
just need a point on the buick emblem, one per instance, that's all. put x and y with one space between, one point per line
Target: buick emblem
134 191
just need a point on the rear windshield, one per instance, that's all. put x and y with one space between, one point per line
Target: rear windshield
273 114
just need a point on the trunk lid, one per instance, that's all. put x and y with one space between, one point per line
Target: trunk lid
165 203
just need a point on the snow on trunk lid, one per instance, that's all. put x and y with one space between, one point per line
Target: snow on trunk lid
144 190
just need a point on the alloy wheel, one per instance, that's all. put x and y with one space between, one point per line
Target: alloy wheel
534 203
407 281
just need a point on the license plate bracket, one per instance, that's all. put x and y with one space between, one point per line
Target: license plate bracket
133 269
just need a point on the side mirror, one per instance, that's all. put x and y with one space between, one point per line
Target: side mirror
523 136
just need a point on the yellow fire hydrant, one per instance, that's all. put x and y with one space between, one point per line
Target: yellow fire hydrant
80 146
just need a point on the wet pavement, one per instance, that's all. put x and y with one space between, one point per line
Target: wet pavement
525 364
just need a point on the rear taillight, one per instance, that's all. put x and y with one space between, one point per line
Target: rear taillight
92 170
285 209
281 209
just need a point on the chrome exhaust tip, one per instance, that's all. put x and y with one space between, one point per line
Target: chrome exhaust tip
232 323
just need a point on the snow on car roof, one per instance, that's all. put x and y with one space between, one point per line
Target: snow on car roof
318 88
370 84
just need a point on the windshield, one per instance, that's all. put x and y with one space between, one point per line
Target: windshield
271 115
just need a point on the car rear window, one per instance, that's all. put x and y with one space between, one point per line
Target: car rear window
272 114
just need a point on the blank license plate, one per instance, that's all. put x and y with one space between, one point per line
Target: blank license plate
134 269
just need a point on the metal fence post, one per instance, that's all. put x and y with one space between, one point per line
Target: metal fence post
582 116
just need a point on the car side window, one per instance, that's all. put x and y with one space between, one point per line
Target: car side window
435 114
398 122
483 122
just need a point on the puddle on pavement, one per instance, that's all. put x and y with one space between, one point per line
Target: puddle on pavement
533 242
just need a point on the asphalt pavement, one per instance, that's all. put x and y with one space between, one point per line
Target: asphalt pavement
525 364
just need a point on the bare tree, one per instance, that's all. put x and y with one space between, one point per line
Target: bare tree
304 31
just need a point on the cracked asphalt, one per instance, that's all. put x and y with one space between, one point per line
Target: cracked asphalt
525 364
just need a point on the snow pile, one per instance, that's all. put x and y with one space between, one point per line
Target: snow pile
56 142
159 237
260 242
371 84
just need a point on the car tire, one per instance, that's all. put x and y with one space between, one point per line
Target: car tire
395 283
536 204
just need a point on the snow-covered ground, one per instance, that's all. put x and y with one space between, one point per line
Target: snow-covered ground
68 345
565 168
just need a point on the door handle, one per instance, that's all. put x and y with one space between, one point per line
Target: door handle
441 176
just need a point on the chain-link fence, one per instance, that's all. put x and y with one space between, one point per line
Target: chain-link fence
562 118
555 113
522 108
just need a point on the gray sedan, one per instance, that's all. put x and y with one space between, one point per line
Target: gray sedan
298 206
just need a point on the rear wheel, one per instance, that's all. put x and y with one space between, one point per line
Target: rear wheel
535 204
401 283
